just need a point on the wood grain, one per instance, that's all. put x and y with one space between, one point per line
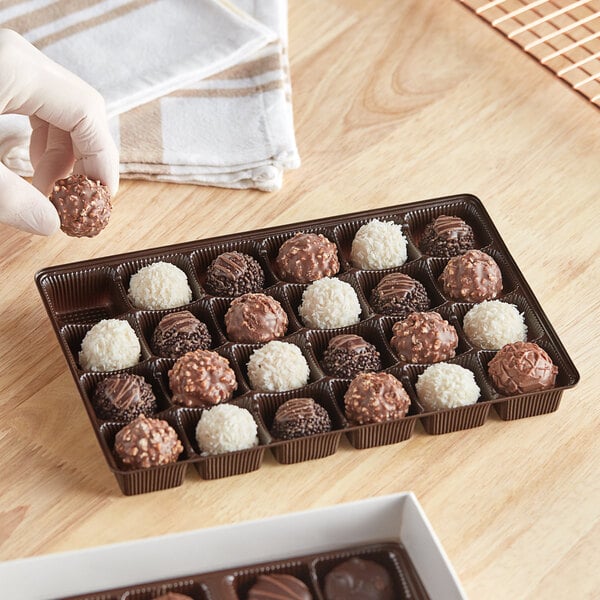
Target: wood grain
394 102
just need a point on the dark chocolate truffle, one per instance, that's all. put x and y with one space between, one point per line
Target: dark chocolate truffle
255 318
399 294
521 368
424 337
234 274
178 333
348 355
359 579
300 417
123 397
307 257
279 587
472 277
446 237
146 443
374 398
201 378
83 205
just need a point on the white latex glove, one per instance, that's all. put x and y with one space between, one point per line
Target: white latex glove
70 133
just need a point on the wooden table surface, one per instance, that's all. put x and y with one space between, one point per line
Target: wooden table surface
394 102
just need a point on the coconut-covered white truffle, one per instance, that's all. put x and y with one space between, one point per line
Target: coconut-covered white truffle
109 345
329 303
493 324
226 428
277 367
159 285
446 385
378 245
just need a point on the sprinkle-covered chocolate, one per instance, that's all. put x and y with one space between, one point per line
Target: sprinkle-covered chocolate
178 333
279 586
447 236
123 397
399 294
233 274
255 318
300 417
359 579
307 257
348 354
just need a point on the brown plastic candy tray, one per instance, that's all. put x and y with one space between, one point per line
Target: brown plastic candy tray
78 295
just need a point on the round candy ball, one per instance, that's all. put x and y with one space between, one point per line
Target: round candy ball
300 417
159 285
329 303
178 333
447 236
255 319
359 579
492 324
279 586
277 367
399 294
378 245
233 274
226 428
347 355
123 397
173 596
306 257
446 385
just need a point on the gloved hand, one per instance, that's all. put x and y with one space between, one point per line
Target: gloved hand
70 133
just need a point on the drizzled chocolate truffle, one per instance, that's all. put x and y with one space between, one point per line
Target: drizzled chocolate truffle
300 417
123 397
234 274
472 277
348 355
279 587
255 318
83 205
446 237
359 579
178 333
399 294
307 257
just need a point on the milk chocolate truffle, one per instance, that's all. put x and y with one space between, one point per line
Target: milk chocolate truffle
255 318
521 368
233 274
300 417
146 443
83 205
399 294
374 398
307 257
348 355
279 587
472 277
359 579
178 333
446 237
201 378
424 337
123 397
173 596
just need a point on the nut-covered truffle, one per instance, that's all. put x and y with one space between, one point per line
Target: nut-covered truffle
374 398
447 236
307 257
472 277
493 323
233 274
279 586
255 318
123 397
178 333
348 355
379 245
226 428
300 417
83 205
446 385
359 579
146 443
521 368
159 285
277 367
424 337
201 378
399 294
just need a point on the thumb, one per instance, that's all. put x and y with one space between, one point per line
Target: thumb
24 207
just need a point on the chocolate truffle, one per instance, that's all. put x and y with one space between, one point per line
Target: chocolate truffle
146 443
201 378
378 245
233 274
492 324
374 398
521 368
446 385
255 318
307 257
329 303
159 285
348 355
399 294
424 337
472 277
359 579
300 417
178 333
446 237
279 587
226 428
277 367
83 205
123 397
110 345
173 596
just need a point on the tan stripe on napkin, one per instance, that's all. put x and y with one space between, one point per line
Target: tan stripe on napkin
228 92
251 68
141 129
